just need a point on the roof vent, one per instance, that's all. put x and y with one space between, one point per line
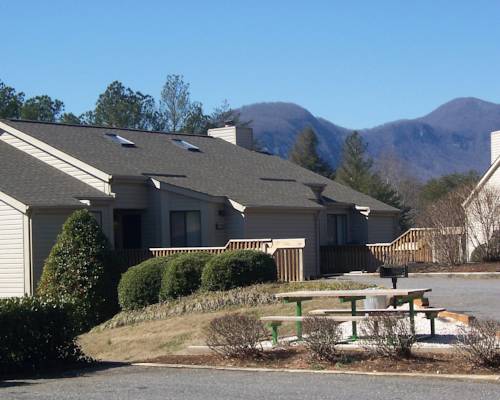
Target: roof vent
120 140
317 189
185 145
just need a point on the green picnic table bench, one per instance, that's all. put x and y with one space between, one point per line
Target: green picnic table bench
352 296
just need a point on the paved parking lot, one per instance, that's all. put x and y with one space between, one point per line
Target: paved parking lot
141 383
475 296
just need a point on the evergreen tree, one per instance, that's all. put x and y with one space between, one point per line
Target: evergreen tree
305 153
42 108
76 270
356 171
11 102
356 167
121 107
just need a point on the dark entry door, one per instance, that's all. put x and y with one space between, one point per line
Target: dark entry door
131 225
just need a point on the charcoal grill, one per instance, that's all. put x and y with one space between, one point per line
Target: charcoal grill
393 271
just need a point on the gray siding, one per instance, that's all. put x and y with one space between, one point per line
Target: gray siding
55 162
12 279
45 228
382 229
287 225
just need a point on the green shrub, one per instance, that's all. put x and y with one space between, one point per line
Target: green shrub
140 285
36 334
183 275
76 269
238 268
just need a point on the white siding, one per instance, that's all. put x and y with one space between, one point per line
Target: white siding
239 136
45 229
381 229
55 162
11 252
495 146
283 225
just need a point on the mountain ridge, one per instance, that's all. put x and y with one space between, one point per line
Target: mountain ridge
454 137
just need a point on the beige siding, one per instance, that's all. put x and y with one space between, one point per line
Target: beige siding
12 279
381 229
45 228
55 162
286 225
209 213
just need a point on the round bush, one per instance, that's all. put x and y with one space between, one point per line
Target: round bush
182 276
238 268
140 285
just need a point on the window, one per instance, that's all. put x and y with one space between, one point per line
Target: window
336 225
185 228
185 145
120 140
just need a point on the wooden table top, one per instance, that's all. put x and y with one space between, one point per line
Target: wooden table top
352 293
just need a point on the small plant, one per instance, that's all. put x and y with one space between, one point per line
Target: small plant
140 285
479 343
389 336
236 336
182 276
322 336
238 268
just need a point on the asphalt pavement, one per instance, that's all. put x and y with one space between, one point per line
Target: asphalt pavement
474 296
141 383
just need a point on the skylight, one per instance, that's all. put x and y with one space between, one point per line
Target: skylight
185 145
120 140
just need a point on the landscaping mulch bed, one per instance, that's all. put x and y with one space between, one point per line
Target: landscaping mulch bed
479 267
297 358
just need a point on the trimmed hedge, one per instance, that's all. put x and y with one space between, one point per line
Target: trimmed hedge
140 285
238 268
77 269
481 253
182 276
37 334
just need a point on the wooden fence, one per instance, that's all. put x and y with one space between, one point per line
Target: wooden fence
415 245
288 253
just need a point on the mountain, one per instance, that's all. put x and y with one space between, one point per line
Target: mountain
455 137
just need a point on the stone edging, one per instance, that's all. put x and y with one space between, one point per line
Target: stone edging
483 378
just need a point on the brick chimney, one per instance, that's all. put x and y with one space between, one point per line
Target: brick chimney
240 136
495 145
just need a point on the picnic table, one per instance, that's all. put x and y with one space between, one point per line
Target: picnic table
352 296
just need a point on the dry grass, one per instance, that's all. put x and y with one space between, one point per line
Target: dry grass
172 333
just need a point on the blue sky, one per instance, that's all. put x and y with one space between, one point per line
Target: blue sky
357 64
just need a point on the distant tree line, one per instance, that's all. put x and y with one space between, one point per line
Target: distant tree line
387 179
122 107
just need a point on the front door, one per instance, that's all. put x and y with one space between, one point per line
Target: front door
128 229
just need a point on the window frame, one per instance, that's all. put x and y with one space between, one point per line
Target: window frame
185 212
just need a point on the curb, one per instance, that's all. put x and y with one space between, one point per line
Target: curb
477 378
494 275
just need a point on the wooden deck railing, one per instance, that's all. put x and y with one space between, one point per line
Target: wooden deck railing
288 253
415 245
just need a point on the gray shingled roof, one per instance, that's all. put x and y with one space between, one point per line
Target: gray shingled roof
34 183
219 169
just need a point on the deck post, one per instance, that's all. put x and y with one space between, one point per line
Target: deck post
354 325
298 324
412 315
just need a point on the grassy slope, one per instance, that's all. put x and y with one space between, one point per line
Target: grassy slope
171 327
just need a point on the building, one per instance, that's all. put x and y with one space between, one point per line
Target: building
151 189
